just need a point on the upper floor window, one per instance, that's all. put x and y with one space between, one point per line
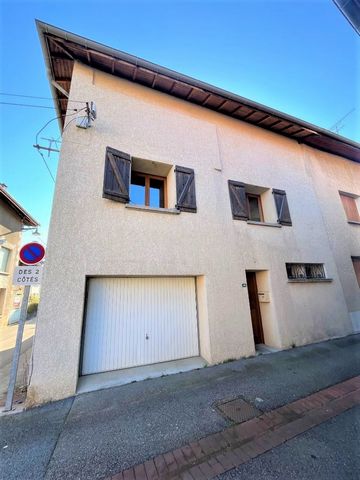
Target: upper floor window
4 259
254 207
305 271
147 183
148 190
258 204
349 202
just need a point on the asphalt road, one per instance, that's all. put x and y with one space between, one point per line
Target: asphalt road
101 433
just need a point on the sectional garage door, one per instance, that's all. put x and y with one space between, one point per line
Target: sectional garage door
138 321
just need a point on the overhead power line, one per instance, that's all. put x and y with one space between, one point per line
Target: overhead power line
33 96
34 106
26 105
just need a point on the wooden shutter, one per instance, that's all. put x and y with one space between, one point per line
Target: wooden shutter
350 207
282 207
238 200
117 175
185 189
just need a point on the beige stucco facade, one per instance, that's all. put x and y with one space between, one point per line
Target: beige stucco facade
9 222
93 236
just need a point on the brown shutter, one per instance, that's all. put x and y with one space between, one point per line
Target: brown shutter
238 200
185 189
349 204
117 175
282 207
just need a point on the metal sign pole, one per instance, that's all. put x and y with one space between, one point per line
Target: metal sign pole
17 350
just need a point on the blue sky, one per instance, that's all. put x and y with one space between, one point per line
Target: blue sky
300 57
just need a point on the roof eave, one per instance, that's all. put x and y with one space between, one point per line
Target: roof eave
25 217
313 130
41 28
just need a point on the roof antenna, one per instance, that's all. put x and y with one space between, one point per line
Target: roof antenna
339 125
86 120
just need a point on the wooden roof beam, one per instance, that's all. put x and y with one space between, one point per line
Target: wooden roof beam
60 88
59 45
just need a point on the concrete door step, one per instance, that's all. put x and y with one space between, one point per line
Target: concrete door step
99 381
262 349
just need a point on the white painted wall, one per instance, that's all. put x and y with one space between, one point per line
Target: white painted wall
91 236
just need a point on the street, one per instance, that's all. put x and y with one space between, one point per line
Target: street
101 433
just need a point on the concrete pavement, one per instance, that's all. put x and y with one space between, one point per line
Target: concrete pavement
7 344
100 433
8 339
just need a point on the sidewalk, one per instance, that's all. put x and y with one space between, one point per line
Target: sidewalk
7 344
101 434
221 452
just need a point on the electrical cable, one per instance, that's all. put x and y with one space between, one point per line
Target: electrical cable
81 116
38 133
46 164
56 118
40 98
26 105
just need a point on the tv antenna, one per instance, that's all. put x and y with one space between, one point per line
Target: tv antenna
339 124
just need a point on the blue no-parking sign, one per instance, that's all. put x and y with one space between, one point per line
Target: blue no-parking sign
32 253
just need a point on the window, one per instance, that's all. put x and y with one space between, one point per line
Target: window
261 205
254 207
4 259
350 207
148 190
305 271
356 263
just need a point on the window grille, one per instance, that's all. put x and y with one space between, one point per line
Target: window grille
305 271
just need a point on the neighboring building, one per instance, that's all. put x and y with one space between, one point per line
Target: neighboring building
13 218
187 222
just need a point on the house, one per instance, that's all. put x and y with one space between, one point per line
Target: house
188 223
13 218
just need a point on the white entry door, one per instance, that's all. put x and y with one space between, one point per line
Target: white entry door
139 321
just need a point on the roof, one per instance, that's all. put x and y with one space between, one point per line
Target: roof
25 217
62 48
350 9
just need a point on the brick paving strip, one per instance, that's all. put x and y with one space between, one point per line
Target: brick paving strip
225 450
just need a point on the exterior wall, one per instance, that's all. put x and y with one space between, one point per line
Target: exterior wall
8 222
92 236
330 175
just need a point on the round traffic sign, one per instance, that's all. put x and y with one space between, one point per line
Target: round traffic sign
32 253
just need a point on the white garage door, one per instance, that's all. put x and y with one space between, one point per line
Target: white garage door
139 321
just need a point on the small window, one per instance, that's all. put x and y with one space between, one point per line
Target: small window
258 205
350 207
148 190
356 263
305 271
254 207
4 259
